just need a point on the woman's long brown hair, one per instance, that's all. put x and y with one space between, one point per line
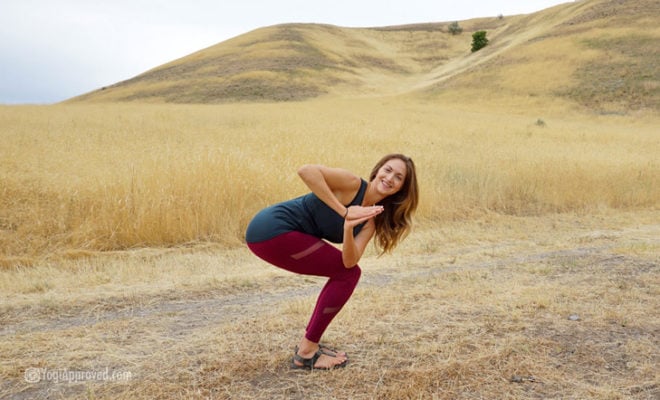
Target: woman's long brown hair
395 222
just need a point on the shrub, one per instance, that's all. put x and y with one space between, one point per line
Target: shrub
455 28
479 40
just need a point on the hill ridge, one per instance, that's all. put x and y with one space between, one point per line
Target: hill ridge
566 51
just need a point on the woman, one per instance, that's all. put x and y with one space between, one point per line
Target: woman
341 208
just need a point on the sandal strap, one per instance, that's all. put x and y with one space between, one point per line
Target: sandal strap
308 362
327 350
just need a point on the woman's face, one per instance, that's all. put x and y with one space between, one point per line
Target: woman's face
390 177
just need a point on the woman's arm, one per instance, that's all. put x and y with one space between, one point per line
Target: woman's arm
353 246
334 186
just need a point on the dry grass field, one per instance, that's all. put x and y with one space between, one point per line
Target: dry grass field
85 178
122 230
532 271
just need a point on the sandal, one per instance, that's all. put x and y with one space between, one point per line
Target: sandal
308 363
326 350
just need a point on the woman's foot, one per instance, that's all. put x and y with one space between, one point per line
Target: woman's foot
328 350
311 355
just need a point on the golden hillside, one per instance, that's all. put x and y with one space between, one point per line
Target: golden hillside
598 53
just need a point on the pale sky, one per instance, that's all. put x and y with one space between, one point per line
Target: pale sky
52 50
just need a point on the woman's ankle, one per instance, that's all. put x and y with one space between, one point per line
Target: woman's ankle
306 346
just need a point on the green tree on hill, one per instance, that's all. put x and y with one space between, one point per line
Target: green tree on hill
479 40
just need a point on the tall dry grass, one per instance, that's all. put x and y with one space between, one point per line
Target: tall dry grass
100 177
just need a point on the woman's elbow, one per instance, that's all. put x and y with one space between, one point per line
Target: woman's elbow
349 263
305 170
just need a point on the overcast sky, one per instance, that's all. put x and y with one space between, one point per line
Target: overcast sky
52 50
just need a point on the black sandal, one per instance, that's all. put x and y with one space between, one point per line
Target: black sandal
325 349
308 363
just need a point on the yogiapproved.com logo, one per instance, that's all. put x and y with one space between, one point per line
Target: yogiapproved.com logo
36 375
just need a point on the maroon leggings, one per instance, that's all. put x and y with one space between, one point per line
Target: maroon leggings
305 254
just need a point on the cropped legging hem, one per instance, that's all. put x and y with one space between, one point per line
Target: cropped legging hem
306 254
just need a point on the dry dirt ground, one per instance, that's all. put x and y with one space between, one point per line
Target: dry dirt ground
560 307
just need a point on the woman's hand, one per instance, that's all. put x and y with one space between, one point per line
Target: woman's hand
358 214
